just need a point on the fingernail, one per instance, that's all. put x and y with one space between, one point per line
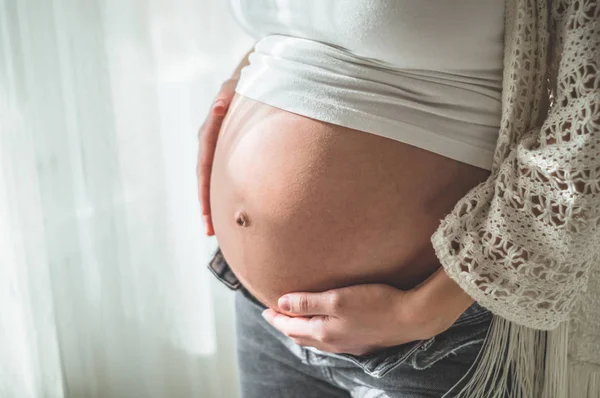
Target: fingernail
284 303
265 314
219 107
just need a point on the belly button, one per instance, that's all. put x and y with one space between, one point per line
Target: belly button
241 218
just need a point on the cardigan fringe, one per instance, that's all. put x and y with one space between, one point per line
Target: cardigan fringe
520 362
584 380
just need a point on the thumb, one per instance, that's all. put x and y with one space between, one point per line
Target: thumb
324 303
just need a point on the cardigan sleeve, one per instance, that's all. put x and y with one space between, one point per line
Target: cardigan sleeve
522 243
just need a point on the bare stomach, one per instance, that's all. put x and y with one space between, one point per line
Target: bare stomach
302 205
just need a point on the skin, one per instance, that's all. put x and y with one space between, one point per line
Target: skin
404 298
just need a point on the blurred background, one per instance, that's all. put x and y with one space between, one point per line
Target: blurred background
104 290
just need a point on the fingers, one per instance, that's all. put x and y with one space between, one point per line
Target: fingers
224 98
325 303
208 135
300 328
219 108
307 332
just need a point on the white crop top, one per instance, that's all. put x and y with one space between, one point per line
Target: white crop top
426 73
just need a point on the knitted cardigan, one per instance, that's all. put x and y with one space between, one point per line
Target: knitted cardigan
526 242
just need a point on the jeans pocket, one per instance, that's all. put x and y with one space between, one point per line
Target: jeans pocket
465 336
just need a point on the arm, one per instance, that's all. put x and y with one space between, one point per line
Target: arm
523 242
208 135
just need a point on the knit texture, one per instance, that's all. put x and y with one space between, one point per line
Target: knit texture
522 243
525 242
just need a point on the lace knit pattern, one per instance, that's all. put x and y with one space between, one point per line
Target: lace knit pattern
523 242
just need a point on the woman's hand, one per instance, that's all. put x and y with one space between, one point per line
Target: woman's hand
208 135
364 318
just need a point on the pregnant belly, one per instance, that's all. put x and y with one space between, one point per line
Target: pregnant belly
302 205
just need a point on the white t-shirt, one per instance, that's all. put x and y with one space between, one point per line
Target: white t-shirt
426 73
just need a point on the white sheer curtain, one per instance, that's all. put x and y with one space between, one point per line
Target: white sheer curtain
103 286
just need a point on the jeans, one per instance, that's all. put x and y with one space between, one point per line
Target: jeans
271 365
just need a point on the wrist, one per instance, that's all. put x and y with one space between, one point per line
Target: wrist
437 303
409 317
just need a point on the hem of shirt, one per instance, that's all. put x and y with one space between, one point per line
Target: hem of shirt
393 129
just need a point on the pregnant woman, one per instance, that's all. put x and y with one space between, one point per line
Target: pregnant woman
345 136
